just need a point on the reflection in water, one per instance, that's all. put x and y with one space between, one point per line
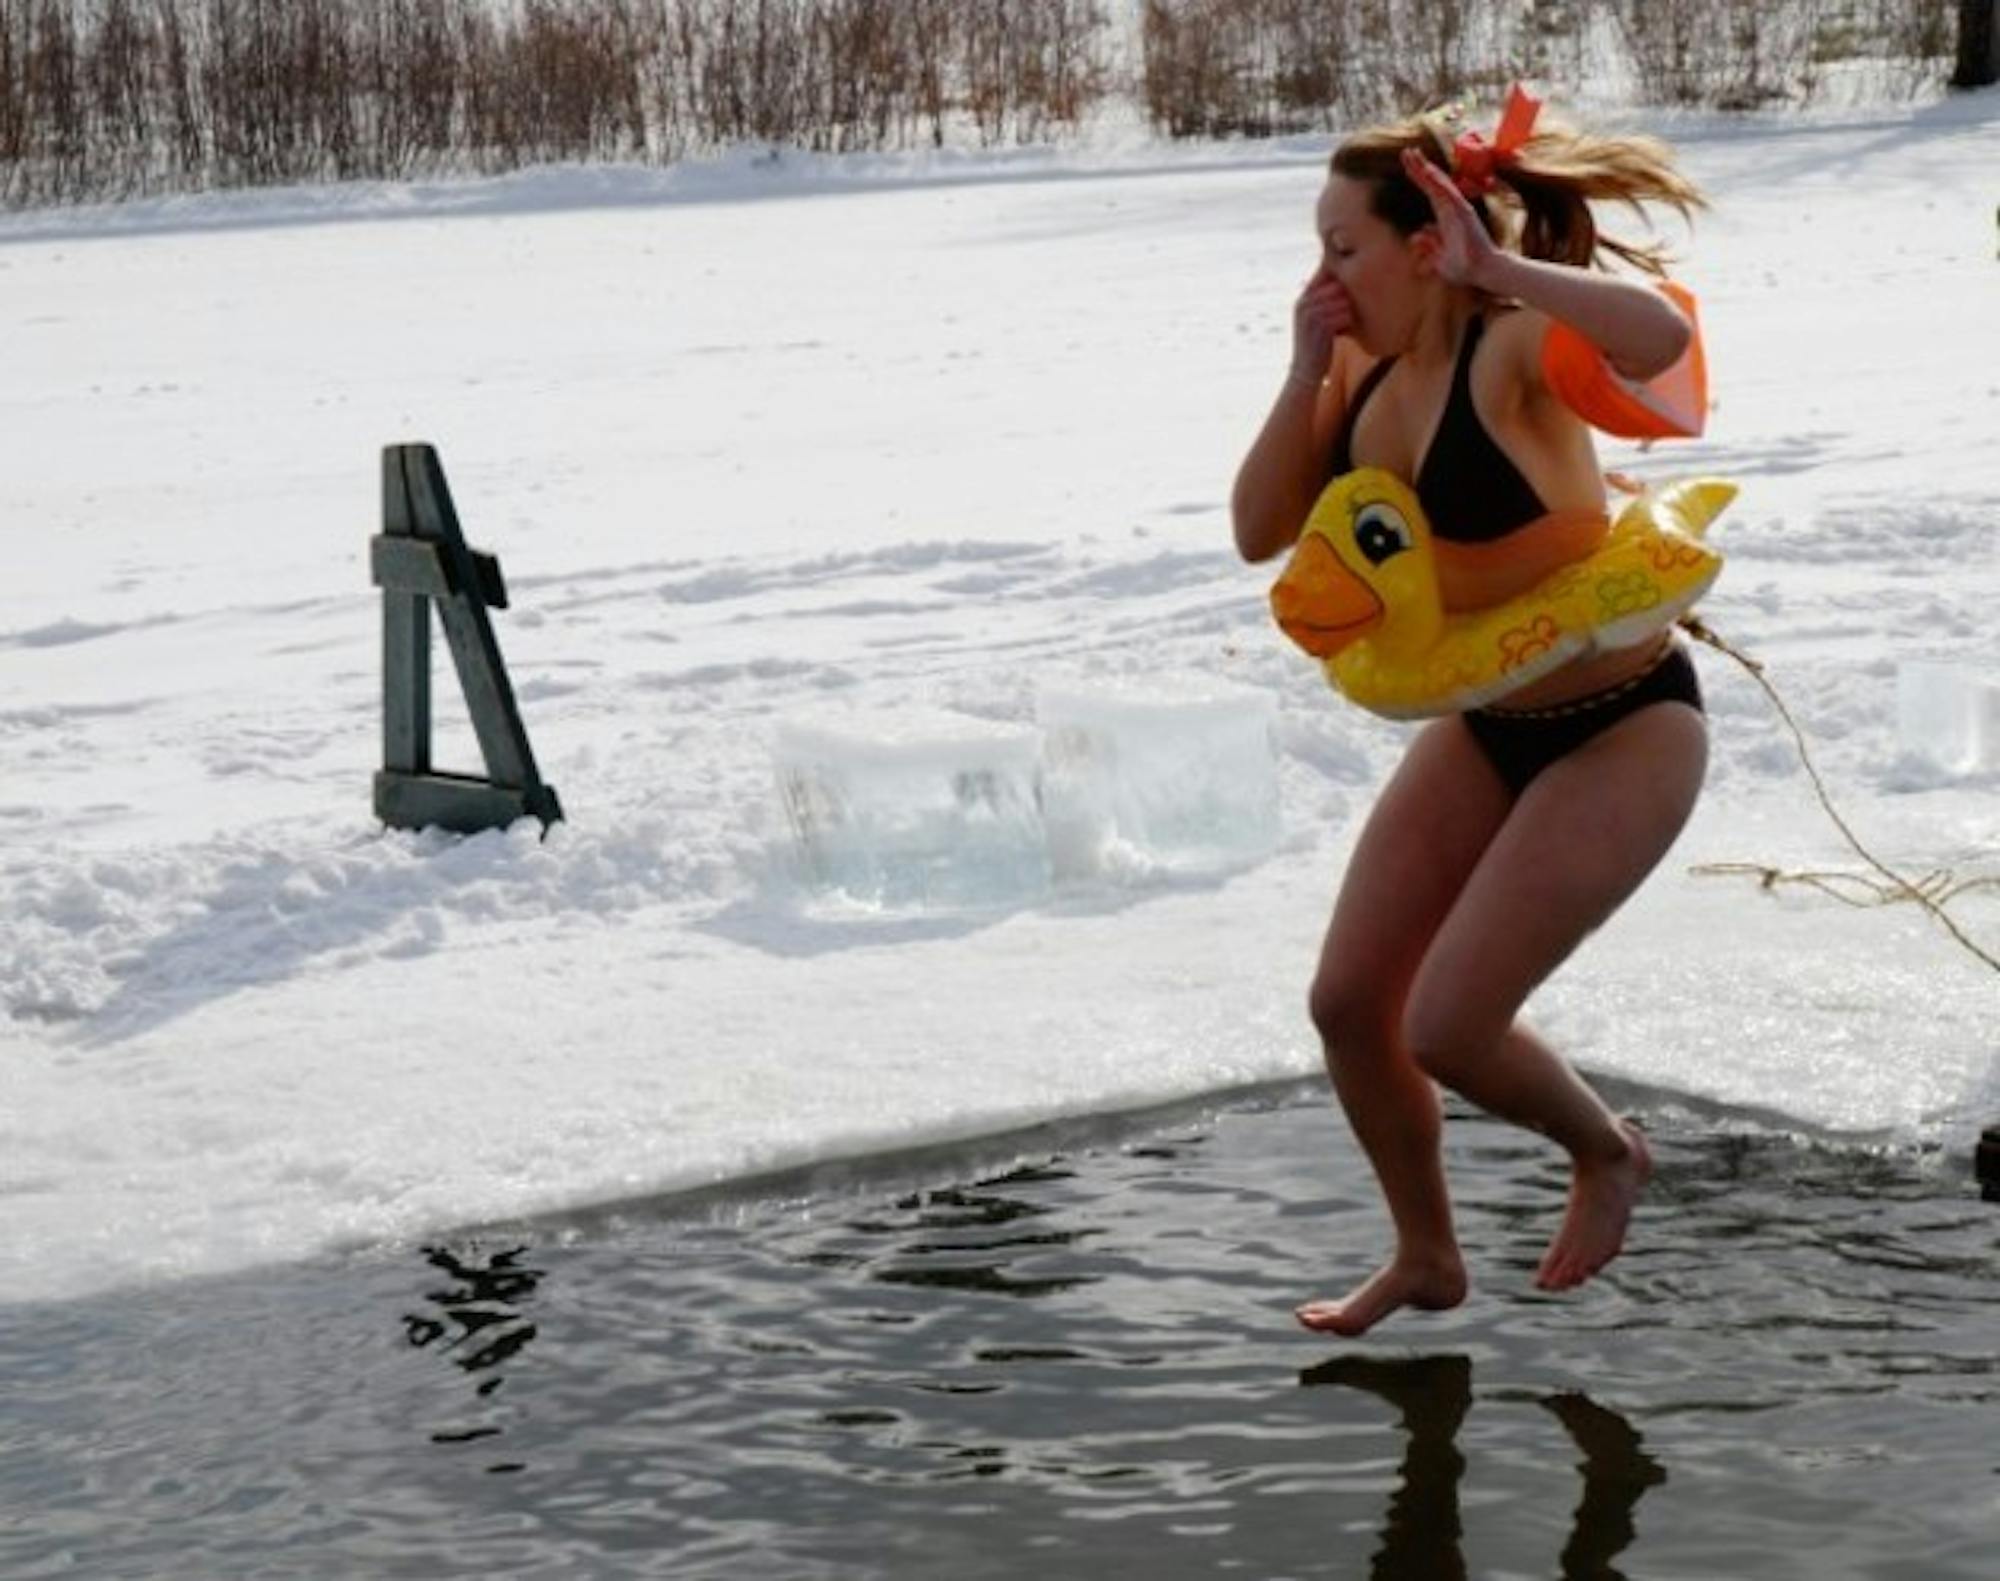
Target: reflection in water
1421 1531
482 1310
1616 1473
483 1306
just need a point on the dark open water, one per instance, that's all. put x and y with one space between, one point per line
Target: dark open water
1081 1365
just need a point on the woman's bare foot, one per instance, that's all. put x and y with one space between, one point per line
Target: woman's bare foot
1602 1193
1431 1284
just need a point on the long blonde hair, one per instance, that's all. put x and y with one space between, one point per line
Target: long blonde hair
1550 179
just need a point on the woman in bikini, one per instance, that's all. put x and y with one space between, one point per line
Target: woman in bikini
1508 833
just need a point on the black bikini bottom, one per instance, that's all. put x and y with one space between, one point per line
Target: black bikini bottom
1520 743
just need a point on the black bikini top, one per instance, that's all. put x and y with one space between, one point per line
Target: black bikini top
1470 490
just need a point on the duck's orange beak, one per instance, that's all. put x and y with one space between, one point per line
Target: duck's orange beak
1322 605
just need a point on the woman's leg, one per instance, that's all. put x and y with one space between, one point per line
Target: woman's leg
1424 837
1581 839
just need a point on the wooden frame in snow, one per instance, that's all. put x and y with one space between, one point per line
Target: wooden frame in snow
421 558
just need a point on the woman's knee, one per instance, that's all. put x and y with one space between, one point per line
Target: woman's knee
1444 1034
1355 1018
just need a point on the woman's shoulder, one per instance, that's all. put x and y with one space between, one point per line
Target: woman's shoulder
1513 361
1344 375
1349 367
1516 328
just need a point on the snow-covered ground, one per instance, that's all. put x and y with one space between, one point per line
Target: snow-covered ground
768 444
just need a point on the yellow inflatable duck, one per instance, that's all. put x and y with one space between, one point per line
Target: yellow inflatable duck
1360 592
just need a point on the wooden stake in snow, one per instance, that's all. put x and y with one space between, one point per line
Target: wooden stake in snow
421 558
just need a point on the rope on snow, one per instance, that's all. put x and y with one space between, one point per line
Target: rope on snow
1932 891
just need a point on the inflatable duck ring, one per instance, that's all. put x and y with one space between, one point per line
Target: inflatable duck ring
1361 593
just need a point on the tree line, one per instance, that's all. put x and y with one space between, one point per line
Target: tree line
107 99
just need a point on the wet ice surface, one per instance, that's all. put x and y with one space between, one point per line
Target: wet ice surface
1069 1354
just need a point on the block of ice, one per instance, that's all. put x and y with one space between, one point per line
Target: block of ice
915 809
1948 715
1157 773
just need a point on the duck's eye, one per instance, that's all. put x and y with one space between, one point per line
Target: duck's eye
1380 533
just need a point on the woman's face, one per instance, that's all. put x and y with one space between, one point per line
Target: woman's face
1385 272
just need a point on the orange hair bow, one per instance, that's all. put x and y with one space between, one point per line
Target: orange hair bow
1474 160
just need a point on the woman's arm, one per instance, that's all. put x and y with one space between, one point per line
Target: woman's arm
1281 476
1639 331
